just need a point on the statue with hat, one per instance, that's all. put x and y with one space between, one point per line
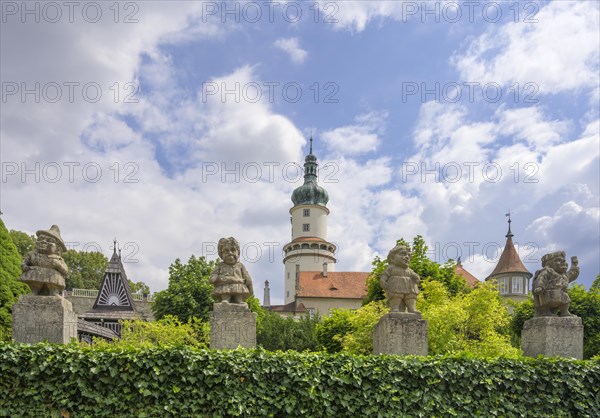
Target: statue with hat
44 270
550 285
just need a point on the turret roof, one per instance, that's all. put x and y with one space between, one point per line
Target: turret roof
509 261
310 193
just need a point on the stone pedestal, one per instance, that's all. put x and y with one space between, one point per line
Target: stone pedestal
553 336
232 325
401 333
44 318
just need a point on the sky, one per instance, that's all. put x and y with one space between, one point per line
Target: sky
169 125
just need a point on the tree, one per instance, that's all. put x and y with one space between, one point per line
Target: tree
278 333
86 269
139 287
332 329
10 287
189 291
22 241
360 339
476 322
168 331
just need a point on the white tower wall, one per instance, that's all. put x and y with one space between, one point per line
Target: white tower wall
316 221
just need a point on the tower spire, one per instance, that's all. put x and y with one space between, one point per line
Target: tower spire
509 233
310 152
114 245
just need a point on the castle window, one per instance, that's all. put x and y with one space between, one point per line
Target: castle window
311 313
305 227
306 212
517 284
503 285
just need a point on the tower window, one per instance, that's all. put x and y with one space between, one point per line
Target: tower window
517 284
503 285
305 227
306 212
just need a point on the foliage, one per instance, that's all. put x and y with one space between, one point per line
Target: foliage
189 291
10 287
475 323
139 287
522 312
584 304
168 331
596 284
423 266
360 339
22 241
254 305
179 381
86 269
332 329
277 333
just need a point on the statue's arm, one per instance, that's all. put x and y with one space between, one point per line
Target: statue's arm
25 265
574 270
61 266
214 276
384 278
540 281
247 279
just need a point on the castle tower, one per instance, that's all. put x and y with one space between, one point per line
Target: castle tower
309 248
510 274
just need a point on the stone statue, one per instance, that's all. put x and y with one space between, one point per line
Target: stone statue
399 282
550 285
44 270
230 278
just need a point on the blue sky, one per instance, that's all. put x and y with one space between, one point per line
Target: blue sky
148 164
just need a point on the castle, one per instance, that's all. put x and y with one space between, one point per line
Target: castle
311 284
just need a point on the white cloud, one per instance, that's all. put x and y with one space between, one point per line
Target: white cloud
359 138
292 47
356 15
559 52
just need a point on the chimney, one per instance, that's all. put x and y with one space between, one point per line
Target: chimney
324 269
267 295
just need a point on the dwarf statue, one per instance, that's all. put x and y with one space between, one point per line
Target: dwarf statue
550 285
399 282
230 278
44 270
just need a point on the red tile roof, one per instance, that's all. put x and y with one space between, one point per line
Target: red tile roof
342 284
469 278
290 307
509 261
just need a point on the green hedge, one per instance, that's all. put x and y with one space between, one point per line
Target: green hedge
42 379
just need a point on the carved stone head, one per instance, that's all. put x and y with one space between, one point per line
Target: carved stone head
50 241
229 250
399 256
557 261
